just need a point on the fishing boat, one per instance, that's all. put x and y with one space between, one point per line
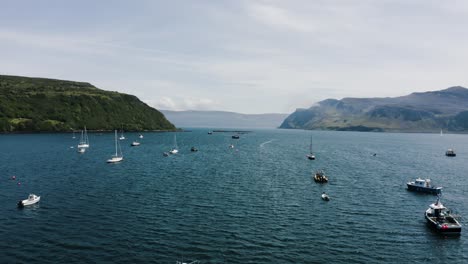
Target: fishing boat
311 155
441 219
325 197
174 149
135 143
320 177
84 140
117 157
423 185
32 199
450 153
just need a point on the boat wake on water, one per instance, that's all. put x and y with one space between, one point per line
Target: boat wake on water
266 142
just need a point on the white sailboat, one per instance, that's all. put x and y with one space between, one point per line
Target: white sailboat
116 158
84 141
174 150
74 134
122 137
311 155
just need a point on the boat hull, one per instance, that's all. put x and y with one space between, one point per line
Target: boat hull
115 160
444 227
431 190
27 202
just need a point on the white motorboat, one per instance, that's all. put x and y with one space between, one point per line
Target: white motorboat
325 197
135 143
32 199
117 157
231 146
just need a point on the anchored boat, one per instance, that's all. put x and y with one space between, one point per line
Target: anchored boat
441 219
421 185
32 199
320 177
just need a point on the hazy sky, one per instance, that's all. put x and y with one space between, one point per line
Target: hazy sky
243 56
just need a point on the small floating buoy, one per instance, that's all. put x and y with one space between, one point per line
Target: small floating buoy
13 177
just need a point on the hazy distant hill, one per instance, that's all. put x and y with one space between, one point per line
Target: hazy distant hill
39 104
220 119
418 112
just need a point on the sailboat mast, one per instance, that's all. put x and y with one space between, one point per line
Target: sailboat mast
116 142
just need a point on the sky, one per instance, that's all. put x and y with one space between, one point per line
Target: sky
244 56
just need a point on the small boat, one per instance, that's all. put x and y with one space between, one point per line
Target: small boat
140 136
235 137
231 146
117 157
320 177
442 220
450 153
81 150
325 197
311 155
174 150
84 140
135 143
423 185
122 137
194 149
210 133
32 199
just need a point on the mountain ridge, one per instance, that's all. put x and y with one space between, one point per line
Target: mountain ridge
223 119
417 112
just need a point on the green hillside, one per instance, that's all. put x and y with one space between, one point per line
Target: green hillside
39 104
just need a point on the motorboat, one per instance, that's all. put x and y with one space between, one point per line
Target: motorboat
194 149
235 137
135 143
320 177
450 153
325 197
423 185
32 199
210 133
311 156
231 146
441 219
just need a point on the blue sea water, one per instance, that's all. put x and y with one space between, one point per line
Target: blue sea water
256 203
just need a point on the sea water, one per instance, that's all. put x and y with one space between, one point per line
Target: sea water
255 203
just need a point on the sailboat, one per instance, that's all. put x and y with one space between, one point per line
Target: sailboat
311 155
122 137
84 141
73 134
116 158
174 150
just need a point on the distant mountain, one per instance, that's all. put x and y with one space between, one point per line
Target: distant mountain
418 112
221 119
39 104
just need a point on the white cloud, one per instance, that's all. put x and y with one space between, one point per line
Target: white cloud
184 103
